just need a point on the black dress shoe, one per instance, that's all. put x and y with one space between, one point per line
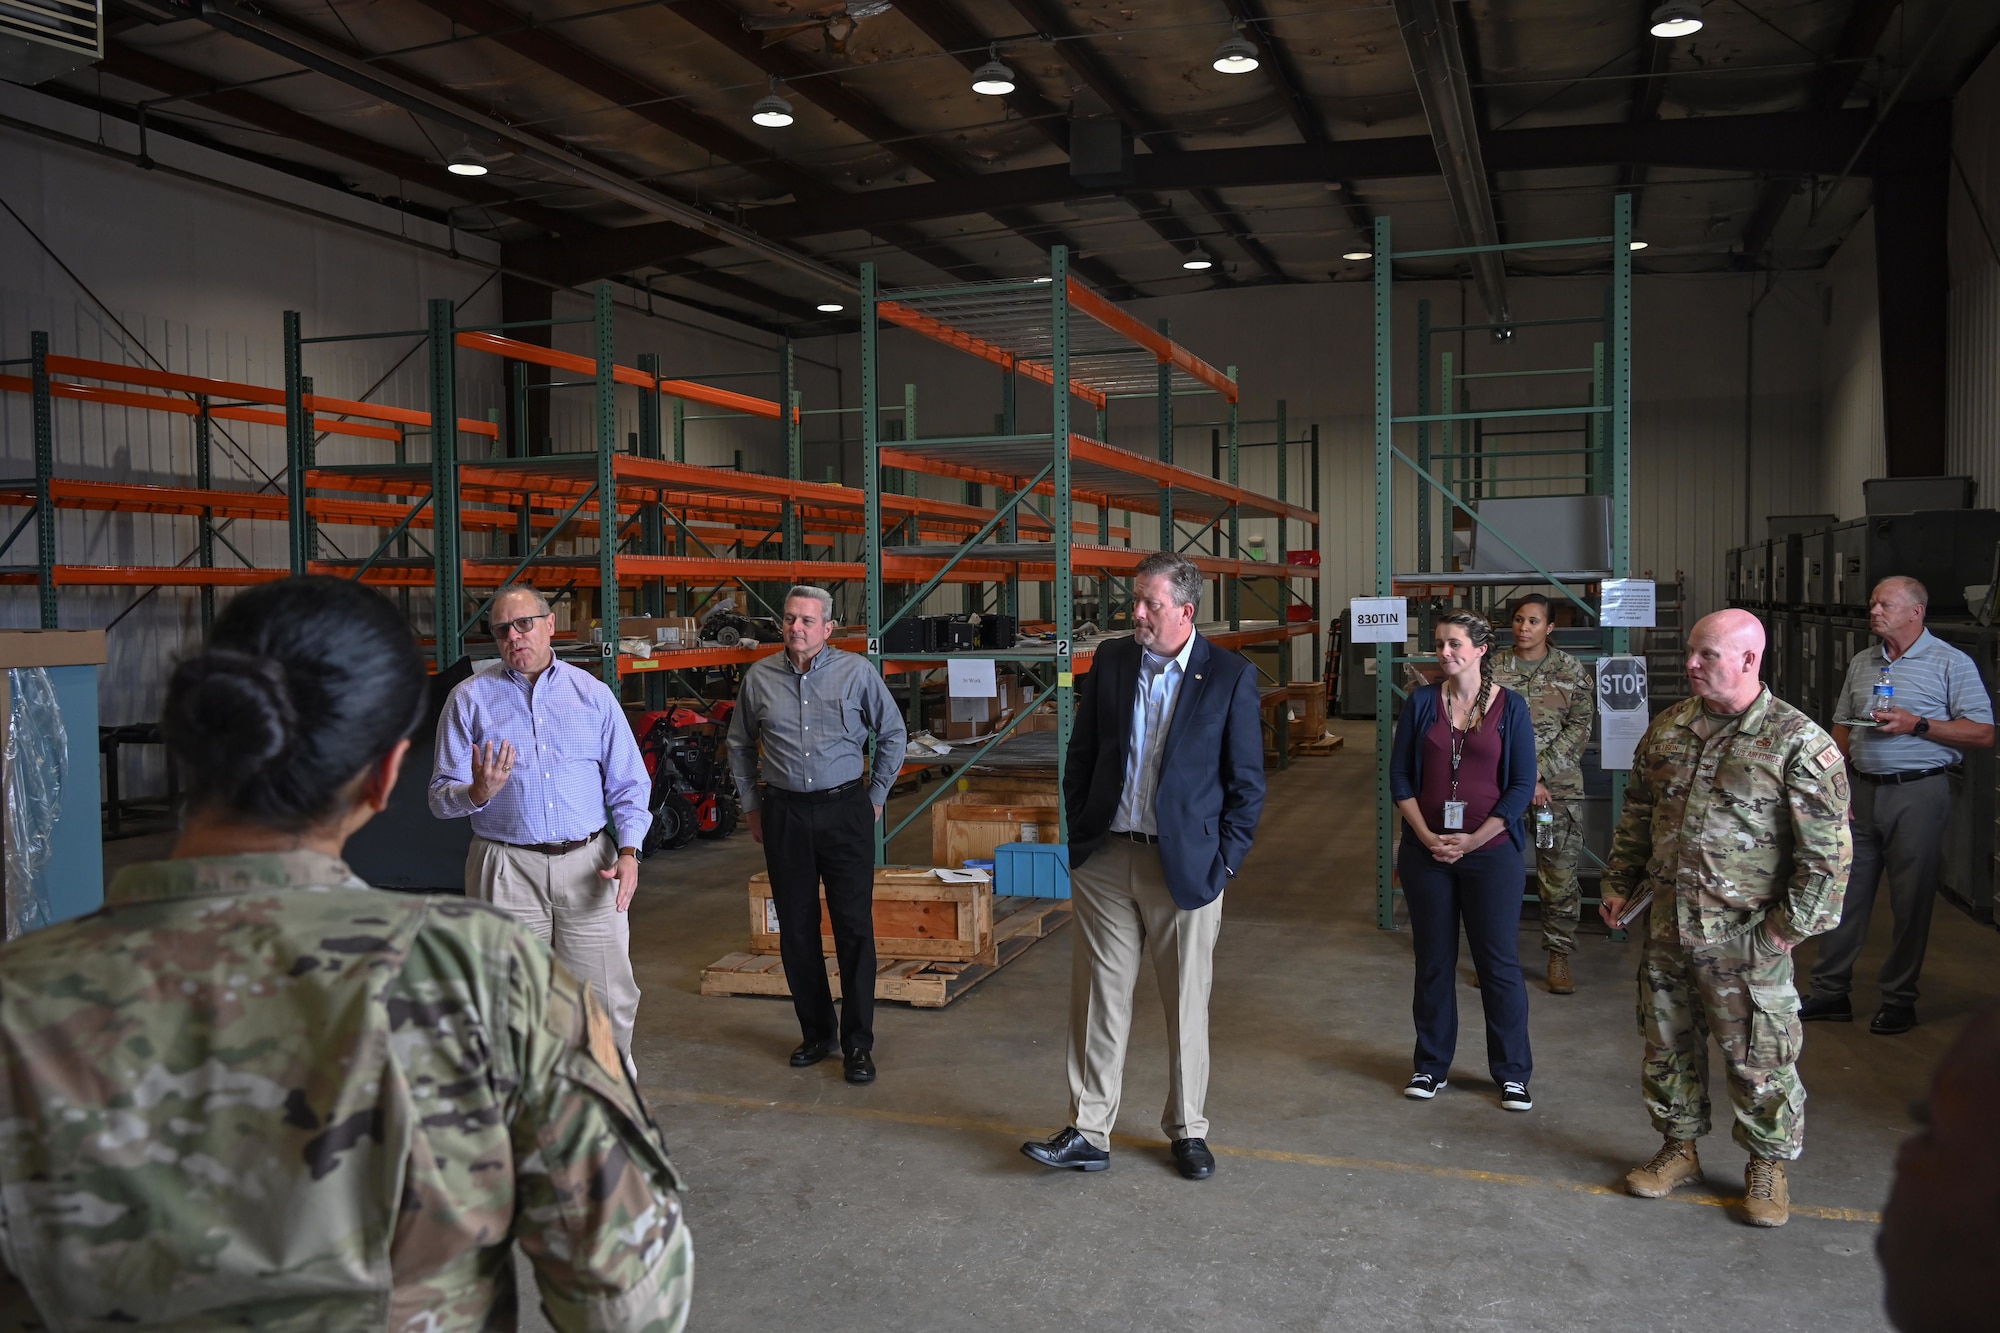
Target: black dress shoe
860 1067
1893 1020
811 1053
1826 1008
1194 1159
1068 1149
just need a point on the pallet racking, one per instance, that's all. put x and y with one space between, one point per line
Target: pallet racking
1605 456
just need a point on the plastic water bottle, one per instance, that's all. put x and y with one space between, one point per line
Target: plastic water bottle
1885 693
1545 826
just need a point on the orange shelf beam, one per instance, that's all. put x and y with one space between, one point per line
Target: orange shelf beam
516 350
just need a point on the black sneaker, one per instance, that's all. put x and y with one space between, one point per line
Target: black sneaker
1514 1097
1423 1087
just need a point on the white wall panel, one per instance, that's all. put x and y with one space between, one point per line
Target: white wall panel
1974 419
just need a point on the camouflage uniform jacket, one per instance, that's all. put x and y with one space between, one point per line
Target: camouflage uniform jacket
1562 696
1748 825
254 1092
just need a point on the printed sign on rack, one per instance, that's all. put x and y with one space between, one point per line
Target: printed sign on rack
1621 709
1627 604
971 678
1378 619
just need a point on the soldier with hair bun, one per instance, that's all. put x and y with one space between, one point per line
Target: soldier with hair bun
252 1091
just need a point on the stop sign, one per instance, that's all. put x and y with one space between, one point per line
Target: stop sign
1621 684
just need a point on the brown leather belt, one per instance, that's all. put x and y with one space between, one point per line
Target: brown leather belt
1898 779
556 848
1149 839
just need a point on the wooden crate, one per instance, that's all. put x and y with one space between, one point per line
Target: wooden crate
921 983
985 791
917 916
973 832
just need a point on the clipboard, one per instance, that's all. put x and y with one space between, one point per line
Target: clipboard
1634 908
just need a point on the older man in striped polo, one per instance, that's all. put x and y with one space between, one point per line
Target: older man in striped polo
1902 749
539 754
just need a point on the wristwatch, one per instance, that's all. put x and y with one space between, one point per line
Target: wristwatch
1923 725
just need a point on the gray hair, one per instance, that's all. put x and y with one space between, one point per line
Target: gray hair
521 590
808 591
1181 574
1910 588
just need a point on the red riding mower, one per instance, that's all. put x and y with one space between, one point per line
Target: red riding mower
693 793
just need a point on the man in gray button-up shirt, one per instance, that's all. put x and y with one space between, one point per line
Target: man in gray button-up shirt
812 708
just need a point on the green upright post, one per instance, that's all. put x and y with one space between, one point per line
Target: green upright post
45 469
1424 435
1385 903
1284 607
517 375
1621 432
450 573
1234 586
204 477
1166 415
609 605
871 484
1010 422
788 435
652 524
1065 532
298 436
1318 579
403 542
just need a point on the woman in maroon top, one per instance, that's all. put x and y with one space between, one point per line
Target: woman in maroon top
1463 773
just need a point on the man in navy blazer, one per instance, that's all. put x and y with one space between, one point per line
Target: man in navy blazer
1163 784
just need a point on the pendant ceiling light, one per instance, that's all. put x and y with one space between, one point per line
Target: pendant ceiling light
993 78
1198 260
772 111
1677 18
1236 55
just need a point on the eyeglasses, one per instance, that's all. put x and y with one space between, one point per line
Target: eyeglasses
508 628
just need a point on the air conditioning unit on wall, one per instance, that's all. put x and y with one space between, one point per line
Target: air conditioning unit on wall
41 39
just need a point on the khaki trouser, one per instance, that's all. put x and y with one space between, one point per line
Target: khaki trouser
1122 909
572 908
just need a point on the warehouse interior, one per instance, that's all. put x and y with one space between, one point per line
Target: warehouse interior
1444 301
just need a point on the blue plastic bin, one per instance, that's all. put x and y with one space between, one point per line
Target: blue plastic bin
1031 870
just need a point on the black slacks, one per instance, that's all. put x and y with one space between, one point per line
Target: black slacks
1483 890
807 843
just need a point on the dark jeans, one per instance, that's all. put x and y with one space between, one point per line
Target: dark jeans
833 841
1483 890
1898 829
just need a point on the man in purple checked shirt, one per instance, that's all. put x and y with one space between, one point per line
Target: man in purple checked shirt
539 754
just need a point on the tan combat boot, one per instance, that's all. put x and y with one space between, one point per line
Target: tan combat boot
1767 1202
1674 1164
1559 978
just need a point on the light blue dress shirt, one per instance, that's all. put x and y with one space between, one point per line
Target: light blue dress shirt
1152 714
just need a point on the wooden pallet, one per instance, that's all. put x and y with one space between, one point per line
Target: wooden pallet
1326 744
923 983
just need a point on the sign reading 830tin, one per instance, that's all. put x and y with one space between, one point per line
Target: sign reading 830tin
1378 619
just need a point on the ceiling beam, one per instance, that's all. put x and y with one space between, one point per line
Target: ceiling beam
1832 86
1785 141
131 66
1048 17
1656 56
721 23
1283 72
589 71
1437 57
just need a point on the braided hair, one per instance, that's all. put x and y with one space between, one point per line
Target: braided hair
1478 632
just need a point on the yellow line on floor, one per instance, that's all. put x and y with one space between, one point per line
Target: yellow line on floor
1231 1150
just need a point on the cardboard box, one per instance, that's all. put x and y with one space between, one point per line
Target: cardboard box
663 631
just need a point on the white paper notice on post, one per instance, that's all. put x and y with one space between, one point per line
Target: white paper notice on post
970 678
1378 619
1622 714
1628 604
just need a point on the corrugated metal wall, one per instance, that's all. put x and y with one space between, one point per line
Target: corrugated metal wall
1975 281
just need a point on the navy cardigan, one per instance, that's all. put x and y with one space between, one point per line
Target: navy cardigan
1517 756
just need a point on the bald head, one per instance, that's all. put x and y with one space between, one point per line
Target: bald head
1896 611
1724 652
1942 1223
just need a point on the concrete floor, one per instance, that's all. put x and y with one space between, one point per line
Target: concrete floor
1337 1204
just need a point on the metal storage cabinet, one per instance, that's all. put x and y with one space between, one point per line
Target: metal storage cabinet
1968 837
1815 690
1732 576
1783 666
1786 570
1944 549
1757 574
1816 569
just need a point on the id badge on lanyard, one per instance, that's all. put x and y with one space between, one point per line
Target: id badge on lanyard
1454 816
1454 809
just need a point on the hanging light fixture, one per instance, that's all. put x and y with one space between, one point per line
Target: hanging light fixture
1677 18
1198 260
1236 55
1358 255
1636 245
465 162
831 307
993 78
772 111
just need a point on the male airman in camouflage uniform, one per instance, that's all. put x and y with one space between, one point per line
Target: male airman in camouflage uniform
1736 821
252 1091
1561 695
